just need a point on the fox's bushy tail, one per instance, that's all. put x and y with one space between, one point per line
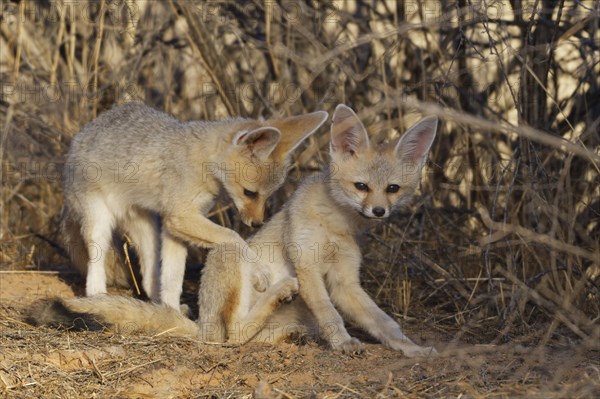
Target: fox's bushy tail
116 313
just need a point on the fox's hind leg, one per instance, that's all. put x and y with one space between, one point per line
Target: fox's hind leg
70 227
143 228
246 324
290 320
96 228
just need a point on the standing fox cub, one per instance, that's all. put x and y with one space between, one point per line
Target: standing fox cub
310 248
155 178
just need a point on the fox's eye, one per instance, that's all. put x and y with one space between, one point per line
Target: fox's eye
250 194
392 188
361 186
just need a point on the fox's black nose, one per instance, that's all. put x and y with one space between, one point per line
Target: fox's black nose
378 211
256 225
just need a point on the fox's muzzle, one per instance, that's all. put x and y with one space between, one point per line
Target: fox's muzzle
376 212
252 220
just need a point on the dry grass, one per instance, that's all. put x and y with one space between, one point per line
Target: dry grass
47 363
503 246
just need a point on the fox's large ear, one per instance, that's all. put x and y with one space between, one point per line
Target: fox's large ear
295 130
348 134
260 141
414 145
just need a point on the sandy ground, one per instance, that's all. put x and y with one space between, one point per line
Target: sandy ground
43 362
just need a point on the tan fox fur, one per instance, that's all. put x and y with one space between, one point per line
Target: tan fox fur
142 172
310 248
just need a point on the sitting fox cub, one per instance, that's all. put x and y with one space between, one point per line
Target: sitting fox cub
310 248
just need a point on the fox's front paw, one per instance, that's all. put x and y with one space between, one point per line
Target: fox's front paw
261 279
350 346
419 351
288 290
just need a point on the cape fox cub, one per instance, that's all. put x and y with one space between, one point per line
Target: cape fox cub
153 177
310 248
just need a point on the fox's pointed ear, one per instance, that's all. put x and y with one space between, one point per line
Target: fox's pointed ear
414 145
295 130
260 141
348 134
